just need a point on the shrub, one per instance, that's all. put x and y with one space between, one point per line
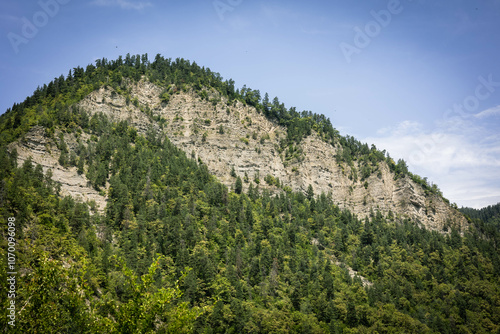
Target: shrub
165 97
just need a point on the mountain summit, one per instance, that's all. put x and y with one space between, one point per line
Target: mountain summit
238 133
142 196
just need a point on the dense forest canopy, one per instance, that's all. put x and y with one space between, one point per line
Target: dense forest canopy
485 214
177 251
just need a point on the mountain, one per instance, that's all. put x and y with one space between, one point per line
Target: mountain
242 137
155 197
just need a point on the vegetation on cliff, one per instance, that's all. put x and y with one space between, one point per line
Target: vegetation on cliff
177 251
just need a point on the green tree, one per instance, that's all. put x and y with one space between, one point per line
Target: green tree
63 159
80 165
310 192
238 186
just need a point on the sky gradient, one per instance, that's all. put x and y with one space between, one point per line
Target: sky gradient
419 79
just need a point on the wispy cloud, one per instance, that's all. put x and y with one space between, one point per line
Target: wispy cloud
495 111
464 164
123 4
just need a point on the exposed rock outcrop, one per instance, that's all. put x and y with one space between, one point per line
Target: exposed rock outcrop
43 151
237 136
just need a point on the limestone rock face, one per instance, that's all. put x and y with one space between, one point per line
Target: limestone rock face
43 151
115 106
238 137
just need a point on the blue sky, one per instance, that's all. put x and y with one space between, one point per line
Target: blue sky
418 78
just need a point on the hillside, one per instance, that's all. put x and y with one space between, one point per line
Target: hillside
156 197
239 138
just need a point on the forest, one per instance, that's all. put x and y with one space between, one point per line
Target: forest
177 251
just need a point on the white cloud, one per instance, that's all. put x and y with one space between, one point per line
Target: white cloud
464 164
123 4
495 111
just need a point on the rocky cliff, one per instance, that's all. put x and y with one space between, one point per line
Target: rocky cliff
237 137
44 151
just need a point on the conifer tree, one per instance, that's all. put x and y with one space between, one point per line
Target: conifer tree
238 186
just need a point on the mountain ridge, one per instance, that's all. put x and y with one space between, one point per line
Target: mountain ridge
180 231
257 146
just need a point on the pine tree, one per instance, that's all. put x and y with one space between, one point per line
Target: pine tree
80 165
265 104
310 192
238 186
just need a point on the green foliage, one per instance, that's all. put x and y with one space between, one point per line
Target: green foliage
238 186
54 104
165 97
256 177
310 192
149 308
63 159
259 262
203 95
272 181
254 267
55 294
